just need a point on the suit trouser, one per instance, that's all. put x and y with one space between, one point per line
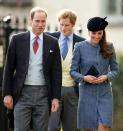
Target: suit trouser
66 117
32 105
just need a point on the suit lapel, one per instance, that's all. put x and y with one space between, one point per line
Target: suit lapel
26 47
74 40
45 47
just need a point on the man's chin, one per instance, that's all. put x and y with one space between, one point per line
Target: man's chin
40 32
66 34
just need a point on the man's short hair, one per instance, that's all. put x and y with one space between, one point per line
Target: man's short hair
37 9
67 13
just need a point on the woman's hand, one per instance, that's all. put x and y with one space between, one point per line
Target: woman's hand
95 80
101 79
90 79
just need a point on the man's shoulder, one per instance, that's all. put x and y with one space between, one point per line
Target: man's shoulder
78 38
54 34
50 37
21 34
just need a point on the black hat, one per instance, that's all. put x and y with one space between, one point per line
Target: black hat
97 23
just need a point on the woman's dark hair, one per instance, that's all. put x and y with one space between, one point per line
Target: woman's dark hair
105 48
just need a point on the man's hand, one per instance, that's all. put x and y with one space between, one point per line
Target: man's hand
8 102
55 105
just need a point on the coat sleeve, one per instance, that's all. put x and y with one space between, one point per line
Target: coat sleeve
9 68
113 70
56 72
74 69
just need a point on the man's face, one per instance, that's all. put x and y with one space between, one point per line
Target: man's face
66 27
38 23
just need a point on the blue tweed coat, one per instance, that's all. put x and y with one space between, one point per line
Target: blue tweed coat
95 101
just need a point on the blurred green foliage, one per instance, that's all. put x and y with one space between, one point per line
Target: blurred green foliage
117 84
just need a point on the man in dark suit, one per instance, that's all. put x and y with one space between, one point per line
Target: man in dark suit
66 117
32 75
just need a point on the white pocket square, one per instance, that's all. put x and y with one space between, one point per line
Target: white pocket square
51 51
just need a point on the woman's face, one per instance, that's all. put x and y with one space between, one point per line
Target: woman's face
95 36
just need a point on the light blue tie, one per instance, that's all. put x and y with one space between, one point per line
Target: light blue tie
65 48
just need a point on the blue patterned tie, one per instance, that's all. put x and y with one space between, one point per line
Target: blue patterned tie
65 48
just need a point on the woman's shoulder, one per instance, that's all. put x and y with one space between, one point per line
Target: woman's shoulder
80 44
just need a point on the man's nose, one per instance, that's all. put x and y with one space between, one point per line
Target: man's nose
63 27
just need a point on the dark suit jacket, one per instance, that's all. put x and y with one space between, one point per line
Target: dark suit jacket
17 62
76 38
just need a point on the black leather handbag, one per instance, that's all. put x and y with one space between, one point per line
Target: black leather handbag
93 71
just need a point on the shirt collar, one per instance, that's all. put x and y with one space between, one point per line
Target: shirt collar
32 36
70 37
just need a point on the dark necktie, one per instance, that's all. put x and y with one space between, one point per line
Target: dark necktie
35 45
65 48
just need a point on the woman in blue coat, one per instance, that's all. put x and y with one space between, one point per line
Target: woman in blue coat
97 62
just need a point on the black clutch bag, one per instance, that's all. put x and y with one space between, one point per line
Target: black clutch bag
93 71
